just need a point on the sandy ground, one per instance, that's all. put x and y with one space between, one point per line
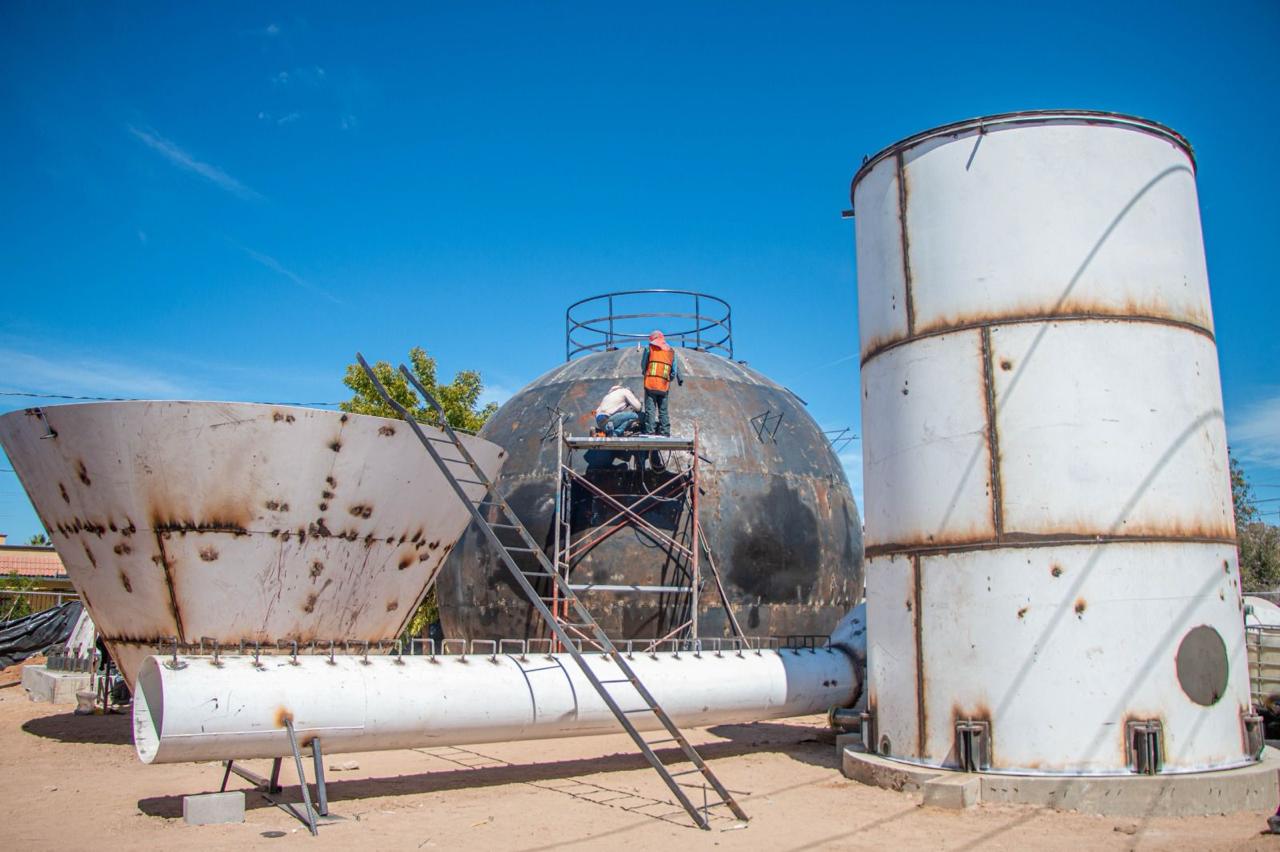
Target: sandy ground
74 782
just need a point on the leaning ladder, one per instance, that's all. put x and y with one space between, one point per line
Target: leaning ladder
585 626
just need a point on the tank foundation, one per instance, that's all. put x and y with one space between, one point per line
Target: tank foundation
1248 788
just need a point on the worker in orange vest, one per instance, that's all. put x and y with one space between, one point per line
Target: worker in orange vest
660 369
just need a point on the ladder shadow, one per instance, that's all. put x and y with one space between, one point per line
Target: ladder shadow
741 740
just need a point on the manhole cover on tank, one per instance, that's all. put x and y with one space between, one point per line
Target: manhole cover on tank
1202 665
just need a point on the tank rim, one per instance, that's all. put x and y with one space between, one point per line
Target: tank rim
1026 117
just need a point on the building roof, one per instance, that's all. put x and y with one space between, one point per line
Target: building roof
28 561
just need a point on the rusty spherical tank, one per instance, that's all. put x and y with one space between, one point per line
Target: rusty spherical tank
774 505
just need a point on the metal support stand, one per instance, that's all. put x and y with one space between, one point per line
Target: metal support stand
302 778
322 794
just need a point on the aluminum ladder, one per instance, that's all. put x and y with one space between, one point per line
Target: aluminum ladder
586 627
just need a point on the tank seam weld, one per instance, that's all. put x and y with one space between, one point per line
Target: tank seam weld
1011 543
1035 318
921 713
906 245
992 437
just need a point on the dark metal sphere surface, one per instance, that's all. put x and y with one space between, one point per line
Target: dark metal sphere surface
774 505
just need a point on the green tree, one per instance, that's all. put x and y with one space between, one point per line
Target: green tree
459 398
1257 543
40 540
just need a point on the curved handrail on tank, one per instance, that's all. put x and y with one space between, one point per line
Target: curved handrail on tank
710 332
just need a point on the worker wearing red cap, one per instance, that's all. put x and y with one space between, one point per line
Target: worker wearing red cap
660 369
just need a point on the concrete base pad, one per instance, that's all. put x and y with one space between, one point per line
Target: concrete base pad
213 808
1251 788
54 687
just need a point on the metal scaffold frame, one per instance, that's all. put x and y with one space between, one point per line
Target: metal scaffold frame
683 554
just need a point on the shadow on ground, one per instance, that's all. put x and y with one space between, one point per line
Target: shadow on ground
112 729
805 743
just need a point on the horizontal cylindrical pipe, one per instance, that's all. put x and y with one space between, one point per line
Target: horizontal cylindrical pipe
236 708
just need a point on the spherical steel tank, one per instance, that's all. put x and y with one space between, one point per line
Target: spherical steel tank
774 505
1050 540
216 523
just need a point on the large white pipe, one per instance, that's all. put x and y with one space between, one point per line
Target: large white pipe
237 710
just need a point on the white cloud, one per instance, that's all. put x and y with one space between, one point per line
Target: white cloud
349 122
277 267
272 30
78 375
289 118
184 160
494 393
1255 434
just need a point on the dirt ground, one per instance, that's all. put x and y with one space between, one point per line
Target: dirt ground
73 782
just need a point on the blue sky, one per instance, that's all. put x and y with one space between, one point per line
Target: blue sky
227 201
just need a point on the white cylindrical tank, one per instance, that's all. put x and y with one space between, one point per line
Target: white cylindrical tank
1051 571
236 709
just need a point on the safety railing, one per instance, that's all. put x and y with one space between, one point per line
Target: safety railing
690 320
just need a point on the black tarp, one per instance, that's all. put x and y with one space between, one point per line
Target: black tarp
31 634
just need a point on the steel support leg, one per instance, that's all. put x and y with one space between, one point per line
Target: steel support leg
322 794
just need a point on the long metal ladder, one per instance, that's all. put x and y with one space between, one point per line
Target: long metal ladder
585 626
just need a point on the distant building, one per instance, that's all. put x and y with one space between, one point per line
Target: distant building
32 562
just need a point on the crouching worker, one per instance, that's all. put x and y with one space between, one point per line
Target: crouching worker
617 411
660 369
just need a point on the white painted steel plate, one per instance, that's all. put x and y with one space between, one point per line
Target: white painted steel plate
235 521
1110 428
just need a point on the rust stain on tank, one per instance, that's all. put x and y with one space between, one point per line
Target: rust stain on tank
122 549
89 553
392 606
386 431
1055 570
62 489
361 510
336 446
310 605
124 581
317 568
283 714
83 473
1022 613
1081 606
209 553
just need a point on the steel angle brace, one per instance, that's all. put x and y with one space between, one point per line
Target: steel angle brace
624 511
270 788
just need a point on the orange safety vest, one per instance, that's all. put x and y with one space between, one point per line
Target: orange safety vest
658 375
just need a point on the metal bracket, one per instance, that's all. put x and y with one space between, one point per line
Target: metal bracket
1254 734
973 745
1144 746
767 424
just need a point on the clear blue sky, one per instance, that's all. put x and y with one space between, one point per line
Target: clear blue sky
228 201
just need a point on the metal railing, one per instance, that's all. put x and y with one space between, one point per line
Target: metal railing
1263 646
37 601
614 320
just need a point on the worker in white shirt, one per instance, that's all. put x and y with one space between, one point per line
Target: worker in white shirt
618 410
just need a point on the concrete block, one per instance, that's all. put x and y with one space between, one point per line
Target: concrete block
957 791
877 771
53 687
213 808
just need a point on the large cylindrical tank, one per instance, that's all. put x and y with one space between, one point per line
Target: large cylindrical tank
774 504
1050 537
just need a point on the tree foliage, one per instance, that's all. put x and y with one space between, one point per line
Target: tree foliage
39 540
459 398
1257 543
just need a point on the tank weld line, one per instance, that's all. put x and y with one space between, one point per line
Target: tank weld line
992 437
921 712
984 124
906 246
1021 319
1016 541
